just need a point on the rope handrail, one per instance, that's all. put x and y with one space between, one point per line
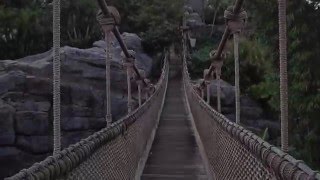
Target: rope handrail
58 165
281 164
104 8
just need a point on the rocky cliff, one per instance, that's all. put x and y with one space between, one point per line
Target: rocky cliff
26 98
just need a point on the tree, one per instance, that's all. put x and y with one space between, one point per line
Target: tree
304 78
217 7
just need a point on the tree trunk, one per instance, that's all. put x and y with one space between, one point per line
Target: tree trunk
214 18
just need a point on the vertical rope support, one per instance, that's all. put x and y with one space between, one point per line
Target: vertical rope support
202 93
208 92
108 81
56 77
283 75
218 91
129 86
237 75
139 93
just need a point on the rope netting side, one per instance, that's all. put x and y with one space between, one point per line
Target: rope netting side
112 153
234 152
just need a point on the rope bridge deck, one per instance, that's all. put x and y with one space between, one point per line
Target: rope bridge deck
174 154
117 152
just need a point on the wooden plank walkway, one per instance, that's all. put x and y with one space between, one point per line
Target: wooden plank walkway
174 154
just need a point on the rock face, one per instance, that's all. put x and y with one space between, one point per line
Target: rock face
194 19
26 95
7 134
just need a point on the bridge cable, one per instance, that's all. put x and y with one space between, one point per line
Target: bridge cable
107 24
235 23
56 78
237 75
283 74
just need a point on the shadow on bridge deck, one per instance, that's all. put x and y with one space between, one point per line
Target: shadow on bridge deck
174 153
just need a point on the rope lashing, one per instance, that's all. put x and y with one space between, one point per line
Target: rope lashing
108 24
114 17
235 23
237 76
56 78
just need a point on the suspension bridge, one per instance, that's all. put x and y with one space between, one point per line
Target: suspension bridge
175 133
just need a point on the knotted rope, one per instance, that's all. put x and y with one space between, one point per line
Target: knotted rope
283 74
235 23
56 77
108 24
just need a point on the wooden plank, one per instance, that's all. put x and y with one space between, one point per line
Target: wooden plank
174 153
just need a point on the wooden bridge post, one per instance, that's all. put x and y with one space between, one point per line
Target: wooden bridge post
207 76
218 65
129 63
139 83
108 25
202 92
129 66
237 75
235 23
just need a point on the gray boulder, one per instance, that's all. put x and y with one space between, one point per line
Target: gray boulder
7 133
32 123
31 105
9 151
10 81
26 94
194 20
35 144
250 109
227 92
75 124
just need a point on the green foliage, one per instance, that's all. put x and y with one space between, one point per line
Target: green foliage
200 56
215 7
79 25
155 21
17 36
304 76
259 69
265 135
26 26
